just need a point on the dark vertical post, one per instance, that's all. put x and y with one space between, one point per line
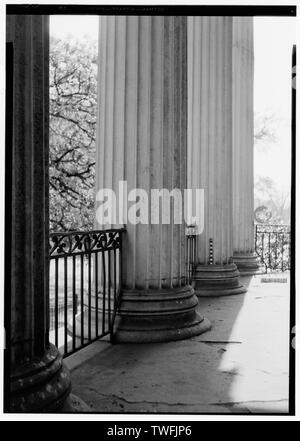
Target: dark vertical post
82 298
8 217
38 379
96 294
56 301
65 305
293 235
74 306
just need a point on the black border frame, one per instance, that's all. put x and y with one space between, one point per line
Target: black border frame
212 10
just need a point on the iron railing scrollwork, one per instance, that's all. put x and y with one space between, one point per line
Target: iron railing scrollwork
76 243
85 285
272 246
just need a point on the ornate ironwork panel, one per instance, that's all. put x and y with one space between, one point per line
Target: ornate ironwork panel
272 246
84 286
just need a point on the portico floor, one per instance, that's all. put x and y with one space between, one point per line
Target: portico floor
241 365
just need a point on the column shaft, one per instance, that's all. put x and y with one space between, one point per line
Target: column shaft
210 149
142 140
243 138
38 379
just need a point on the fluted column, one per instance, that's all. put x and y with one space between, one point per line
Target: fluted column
39 381
243 138
210 150
142 140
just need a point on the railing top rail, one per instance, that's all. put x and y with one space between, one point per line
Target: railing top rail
67 233
272 228
272 225
74 243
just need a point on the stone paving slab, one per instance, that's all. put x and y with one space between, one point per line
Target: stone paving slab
240 366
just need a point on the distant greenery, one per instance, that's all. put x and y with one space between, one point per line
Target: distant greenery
73 111
266 190
278 202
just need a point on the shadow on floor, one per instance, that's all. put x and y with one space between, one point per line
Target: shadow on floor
233 368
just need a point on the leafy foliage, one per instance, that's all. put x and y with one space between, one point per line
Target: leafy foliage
73 112
265 128
277 200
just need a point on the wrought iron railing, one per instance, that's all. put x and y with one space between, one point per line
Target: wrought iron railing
84 288
272 246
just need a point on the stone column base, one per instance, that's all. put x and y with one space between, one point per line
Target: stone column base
76 405
247 264
217 280
42 385
159 316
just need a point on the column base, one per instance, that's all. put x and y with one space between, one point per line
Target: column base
247 264
217 280
42 385
75 404
159 316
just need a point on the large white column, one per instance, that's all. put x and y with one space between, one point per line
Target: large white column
142 140
210 150
243 136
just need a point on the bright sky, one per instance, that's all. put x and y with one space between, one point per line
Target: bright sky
273 40
75 26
